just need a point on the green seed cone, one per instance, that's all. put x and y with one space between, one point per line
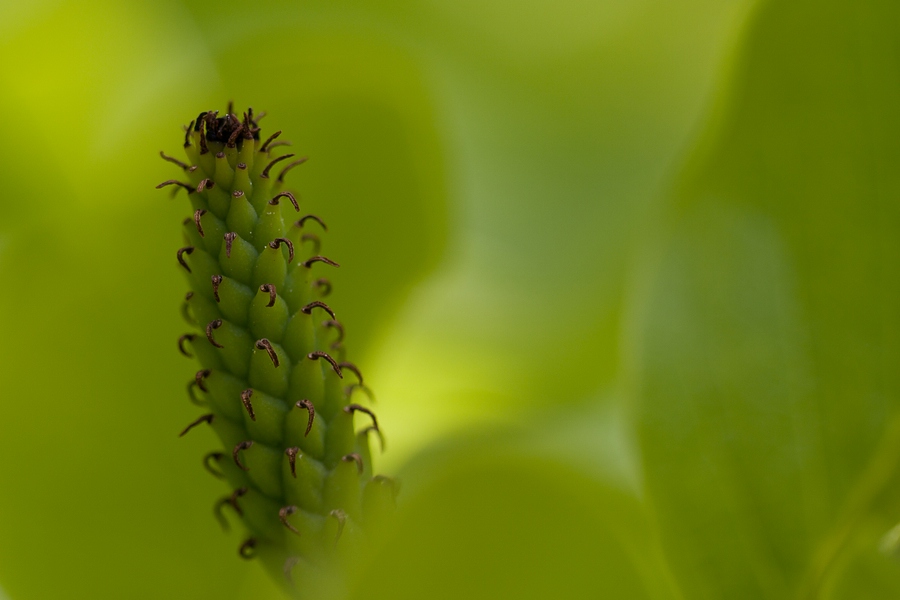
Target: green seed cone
273 380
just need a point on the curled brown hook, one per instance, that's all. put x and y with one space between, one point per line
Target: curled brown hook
233 499
289 563
186 309
199 377
306 310
206 184
394 483
265 173
209 329
232 139
274 145
365 432
202 419
351 408
315 259
340 329
216 456
173 160
287 195
229 240
216 282
266 345
268 288
197 214
292 458
308 405
245 399
189 337
190 390
348 391
341 517
248 549
319 354
180 254
314 218
354 457
187 135
322 282
285 170
190 189
235 454
271 137
284 513
353 369
277 242
311 237
217 511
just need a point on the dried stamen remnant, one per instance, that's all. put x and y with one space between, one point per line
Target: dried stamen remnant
235 453
186 186
209 329
245 400
304 219
319 354
265 173
353 369
340 329
284 513
199 377
216 456
186 337
229 242
203 419
292 459
356 407
180 254
197 215
324 285
354 457
268 288
317 304
290 166
287 195
312 414
266 345
216 282
309 262
247 549
277 242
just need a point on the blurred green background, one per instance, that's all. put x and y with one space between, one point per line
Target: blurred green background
623 274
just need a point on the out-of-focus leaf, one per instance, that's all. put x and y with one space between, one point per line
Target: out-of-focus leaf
766 346
489 516
558 154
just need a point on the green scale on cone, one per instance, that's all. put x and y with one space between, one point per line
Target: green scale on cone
272 379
